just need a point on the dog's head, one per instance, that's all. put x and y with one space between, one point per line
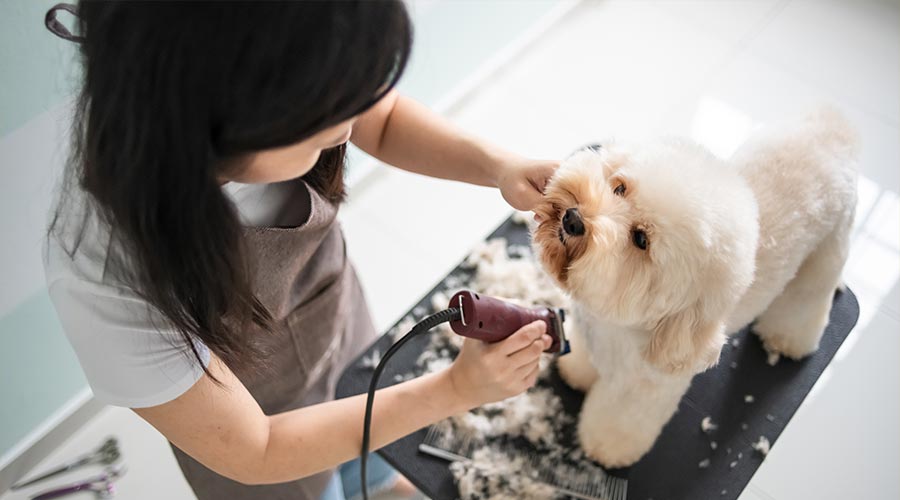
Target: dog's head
660 236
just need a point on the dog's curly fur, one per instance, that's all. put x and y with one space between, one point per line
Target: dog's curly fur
762 236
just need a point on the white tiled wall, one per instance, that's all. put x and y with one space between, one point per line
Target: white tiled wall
713 70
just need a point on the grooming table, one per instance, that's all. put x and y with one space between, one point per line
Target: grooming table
670 470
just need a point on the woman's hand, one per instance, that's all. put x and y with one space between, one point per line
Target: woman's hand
484 373
522 181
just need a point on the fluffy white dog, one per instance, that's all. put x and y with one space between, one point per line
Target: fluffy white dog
665 249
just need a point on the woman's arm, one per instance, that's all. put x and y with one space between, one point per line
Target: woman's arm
406 134
223 427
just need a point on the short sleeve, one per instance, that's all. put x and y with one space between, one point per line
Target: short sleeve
129 355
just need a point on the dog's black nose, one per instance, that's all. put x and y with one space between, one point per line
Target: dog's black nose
572 223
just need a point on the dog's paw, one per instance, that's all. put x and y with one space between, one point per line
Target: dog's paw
782 346
611 448
794 346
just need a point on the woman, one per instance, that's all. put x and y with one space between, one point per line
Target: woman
194 259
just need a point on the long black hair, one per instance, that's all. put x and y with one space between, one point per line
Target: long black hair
173 92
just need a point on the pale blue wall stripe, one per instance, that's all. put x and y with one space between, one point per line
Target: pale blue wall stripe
37 366
37 69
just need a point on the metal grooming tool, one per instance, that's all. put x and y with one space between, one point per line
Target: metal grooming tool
107 454
585 481
103 485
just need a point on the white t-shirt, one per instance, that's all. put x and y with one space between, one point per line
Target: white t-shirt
129 353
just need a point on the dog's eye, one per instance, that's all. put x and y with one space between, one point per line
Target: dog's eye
619 190
639 238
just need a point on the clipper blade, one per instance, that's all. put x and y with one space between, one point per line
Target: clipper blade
558 332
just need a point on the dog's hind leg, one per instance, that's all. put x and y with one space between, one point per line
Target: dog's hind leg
794 322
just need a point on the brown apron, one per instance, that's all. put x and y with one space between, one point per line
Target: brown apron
303 276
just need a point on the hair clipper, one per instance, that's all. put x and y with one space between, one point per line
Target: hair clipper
492 320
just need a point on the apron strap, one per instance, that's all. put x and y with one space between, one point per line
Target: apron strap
56 27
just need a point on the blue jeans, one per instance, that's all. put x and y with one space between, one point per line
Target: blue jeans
345 484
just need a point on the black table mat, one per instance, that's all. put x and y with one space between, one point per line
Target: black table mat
670 470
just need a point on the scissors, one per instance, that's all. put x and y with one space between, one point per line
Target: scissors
107 454
103 486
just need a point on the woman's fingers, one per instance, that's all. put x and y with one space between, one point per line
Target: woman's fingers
522 338
484 372
542 174
531 196
522 182
531 353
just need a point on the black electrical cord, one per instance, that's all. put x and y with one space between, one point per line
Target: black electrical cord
423 326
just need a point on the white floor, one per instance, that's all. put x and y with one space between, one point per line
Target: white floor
711 70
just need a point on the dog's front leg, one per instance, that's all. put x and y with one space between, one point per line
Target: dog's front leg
575 368
621 420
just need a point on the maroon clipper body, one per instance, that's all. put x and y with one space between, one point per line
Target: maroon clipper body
492 320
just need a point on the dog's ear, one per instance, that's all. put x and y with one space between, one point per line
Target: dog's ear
686 341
